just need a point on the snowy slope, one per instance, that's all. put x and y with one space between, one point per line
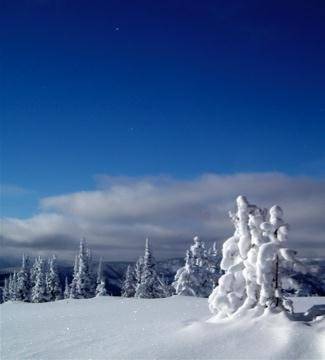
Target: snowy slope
171 328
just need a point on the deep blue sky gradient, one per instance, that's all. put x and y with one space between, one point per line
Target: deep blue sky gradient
158 87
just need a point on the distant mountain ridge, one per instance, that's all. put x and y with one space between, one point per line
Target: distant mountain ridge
312 283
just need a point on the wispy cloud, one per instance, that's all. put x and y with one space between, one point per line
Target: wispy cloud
13 190
124 210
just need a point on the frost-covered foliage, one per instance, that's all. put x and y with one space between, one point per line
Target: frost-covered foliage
83 279
100 287
196 277
39 289
53 286
66 293
13 286
149 286
214 259
185 282
5 292
73 286
129 284
138 270
252 261
23 284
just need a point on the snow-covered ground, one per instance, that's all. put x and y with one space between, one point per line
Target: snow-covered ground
171 328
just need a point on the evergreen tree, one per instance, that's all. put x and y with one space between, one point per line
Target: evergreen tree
53 286
253 259
149 286
214 260
129 284
185 282
23 286
195 277
92 274
66 293
138 270
100 288
84 283
13 286
39 289
33 271
6 293
73 286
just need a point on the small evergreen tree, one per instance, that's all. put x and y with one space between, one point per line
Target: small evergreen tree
195 278
100 288
73 286
84 283
6 293
39 289
149 286
129 284
13 286
66 293
185 282
138 270
53 286
23 282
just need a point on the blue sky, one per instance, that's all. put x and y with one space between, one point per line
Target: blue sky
157 87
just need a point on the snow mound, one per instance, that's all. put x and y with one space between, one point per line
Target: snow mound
178 327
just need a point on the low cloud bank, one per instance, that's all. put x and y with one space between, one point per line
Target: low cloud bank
122 211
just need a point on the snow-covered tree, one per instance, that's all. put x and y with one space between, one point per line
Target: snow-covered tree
6 293
195 277
214 259
39 288
100 288
92 274
13 286
166 289
252 261
272 258
53 286
149 286
66 293
84 278
138 270
73 287
185 282
129 284
23 285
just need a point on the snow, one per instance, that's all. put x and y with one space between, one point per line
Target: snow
177 327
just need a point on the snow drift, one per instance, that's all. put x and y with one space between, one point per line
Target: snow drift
177 327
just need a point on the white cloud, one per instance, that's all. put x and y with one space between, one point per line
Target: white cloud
123 211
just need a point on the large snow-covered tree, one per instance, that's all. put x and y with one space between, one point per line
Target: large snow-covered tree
149 286
39 289
273 258
23 284
129 283
252 261
53 285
